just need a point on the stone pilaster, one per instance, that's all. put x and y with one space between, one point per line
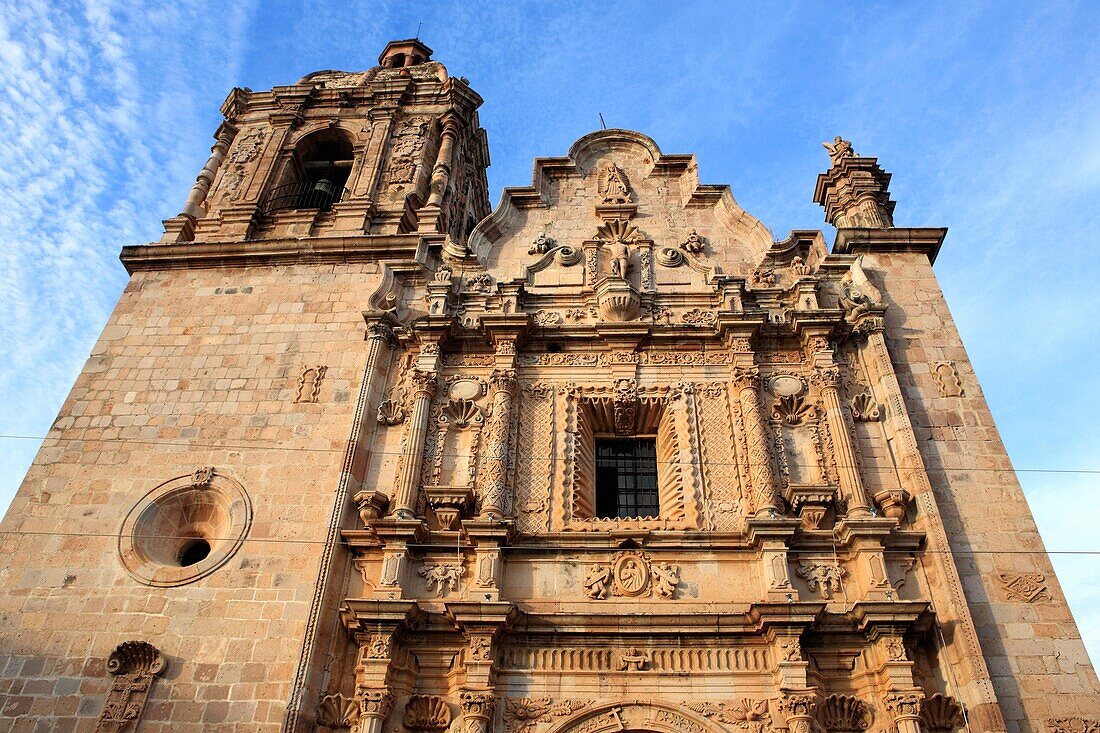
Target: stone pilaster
495 501
408 479
765 489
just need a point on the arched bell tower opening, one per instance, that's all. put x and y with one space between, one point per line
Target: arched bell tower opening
315 174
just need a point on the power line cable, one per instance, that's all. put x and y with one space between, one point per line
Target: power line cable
272 446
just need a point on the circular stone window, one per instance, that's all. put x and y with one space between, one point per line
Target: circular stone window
185 528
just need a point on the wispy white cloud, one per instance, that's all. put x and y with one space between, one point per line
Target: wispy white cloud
989 118
103 127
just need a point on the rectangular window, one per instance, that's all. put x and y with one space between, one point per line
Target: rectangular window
626 478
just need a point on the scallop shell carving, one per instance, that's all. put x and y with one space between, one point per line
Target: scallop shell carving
463 413
138 657
941 714
337 712
844 714
427 713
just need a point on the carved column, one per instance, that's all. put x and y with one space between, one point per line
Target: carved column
408 479
765 490
904 707
441 173
798 709
827 380
375 706
196 200
495 501
477 710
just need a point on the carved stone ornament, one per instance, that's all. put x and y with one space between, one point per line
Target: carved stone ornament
376 703
134 665
521 714
800 268
743 715
865 409
480 283
632 660
391 412
857 293
547 318
793 410
698 317
462 413
844 714
947 378
790 648
763 277
903 704
694 243
893 648
337 712
202 477
541 245
426 713
669 257
613 186
631 574
1026 587
839 149
1073 725
821 577
441 577
941 714
309 384
379 647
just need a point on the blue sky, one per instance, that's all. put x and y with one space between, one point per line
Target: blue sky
988 115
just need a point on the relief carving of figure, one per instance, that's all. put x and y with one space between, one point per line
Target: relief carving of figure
597 581
665 579
615 188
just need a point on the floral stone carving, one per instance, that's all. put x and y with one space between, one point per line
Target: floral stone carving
521 714
822 577
441 578
1027 587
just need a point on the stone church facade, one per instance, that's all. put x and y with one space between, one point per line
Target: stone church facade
356 452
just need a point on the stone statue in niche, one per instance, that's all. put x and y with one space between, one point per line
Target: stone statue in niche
839 149
614 189
620 259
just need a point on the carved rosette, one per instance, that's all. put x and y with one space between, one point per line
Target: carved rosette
134 665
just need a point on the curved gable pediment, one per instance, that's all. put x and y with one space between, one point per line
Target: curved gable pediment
691 230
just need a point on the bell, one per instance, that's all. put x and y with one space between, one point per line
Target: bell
324 187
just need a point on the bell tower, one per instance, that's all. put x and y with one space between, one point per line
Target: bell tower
393 150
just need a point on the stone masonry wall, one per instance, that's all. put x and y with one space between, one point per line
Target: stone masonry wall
195 368
1028 636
